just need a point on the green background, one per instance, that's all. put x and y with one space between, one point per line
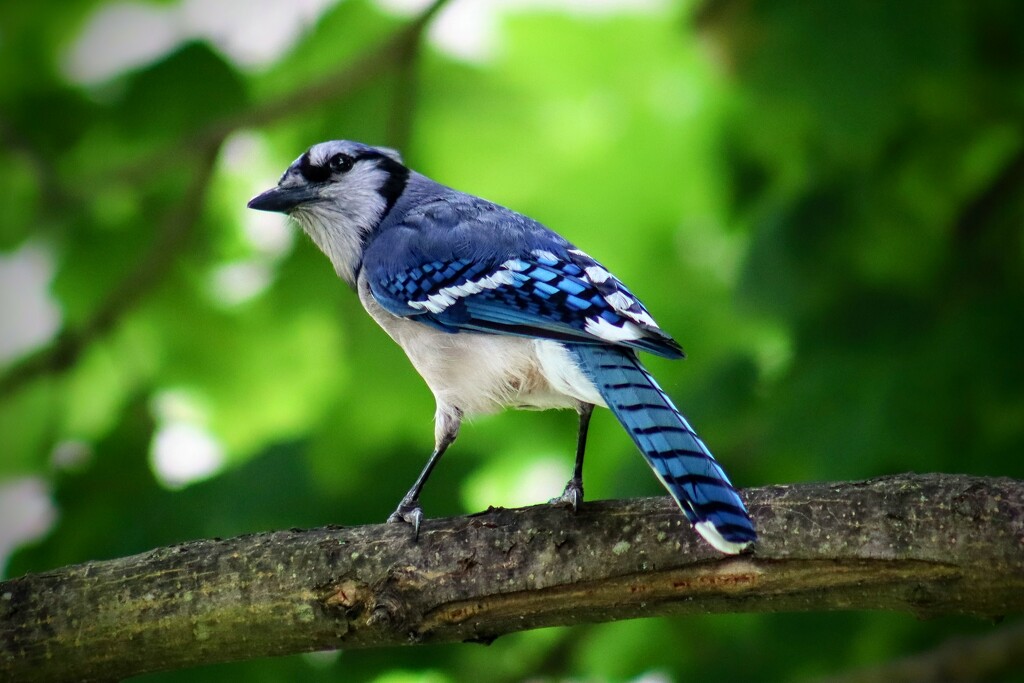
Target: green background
821 201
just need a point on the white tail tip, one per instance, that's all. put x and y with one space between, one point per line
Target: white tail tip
710 534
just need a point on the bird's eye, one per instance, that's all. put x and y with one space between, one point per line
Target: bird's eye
339 163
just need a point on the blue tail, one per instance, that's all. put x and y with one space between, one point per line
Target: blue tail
680 459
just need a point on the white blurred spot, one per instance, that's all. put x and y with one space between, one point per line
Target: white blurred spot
468 29
322 658
251 32
653 677
120 36
27 513
127 35
512 483
404 8
774 352
241 148
245 154
256 33
542 480
71 455
177 405
416 676
29 316
183 451
236 283
269 233
245 161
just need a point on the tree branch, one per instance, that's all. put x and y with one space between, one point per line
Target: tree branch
931 545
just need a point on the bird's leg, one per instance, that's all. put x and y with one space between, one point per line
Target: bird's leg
573 493
446 428
409 509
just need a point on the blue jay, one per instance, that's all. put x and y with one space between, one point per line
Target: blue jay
495 310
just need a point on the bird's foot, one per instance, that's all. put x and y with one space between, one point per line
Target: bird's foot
571 497
409 512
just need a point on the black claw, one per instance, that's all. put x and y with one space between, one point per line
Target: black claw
571 497
417 517
408 512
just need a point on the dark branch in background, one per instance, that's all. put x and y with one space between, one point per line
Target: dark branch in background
929 545
373 64
44 172
404 102
64 351
390 53
1006 185
995 656
172 235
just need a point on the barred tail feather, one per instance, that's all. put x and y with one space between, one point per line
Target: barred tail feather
674 451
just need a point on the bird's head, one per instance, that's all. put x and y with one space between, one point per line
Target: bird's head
338 191
337 172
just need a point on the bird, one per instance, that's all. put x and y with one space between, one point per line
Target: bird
495 310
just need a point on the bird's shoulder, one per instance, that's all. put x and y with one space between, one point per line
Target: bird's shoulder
445 224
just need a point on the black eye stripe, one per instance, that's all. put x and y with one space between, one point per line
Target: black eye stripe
312 172
336 163
397 174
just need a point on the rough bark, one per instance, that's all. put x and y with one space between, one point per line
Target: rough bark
931 545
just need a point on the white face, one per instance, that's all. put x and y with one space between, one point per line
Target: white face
349 191
338 192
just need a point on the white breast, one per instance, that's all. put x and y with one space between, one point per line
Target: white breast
483 373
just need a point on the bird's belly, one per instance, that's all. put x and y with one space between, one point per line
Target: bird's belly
483 373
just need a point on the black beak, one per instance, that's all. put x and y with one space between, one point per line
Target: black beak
282 199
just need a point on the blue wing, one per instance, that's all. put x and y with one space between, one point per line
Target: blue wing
476 266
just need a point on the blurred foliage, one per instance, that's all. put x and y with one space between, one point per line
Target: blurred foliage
822 201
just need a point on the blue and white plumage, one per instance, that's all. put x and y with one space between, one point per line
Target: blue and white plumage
495 310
